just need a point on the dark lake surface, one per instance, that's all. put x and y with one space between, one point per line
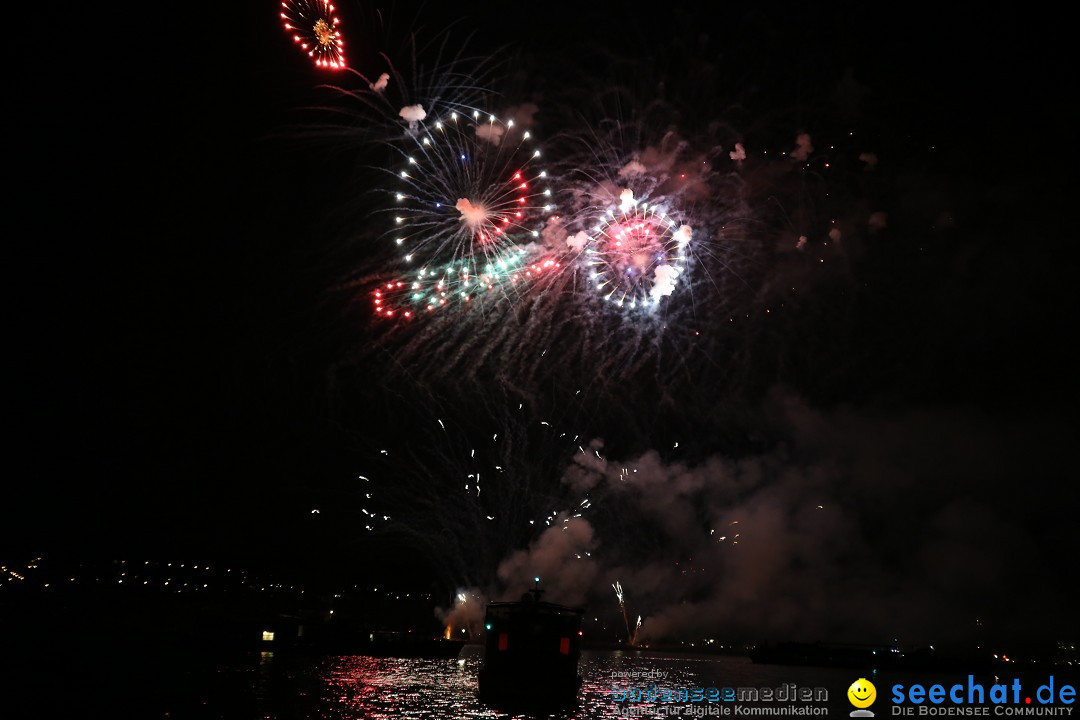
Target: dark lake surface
282 685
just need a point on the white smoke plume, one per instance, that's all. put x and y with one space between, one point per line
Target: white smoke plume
664 278
563 580
491 132
578 241
380 84
472 215
633 168
413 114
523 116
682 235
554 233
803 147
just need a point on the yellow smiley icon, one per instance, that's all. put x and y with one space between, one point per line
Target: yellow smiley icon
862 693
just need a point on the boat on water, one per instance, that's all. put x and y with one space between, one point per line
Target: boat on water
531 654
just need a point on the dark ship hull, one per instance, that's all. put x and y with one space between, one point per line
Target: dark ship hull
531 656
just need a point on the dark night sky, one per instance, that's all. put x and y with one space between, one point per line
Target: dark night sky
169 252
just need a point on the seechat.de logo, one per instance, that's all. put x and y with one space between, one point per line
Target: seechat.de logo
862 694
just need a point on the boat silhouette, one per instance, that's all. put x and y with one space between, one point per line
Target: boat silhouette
531 654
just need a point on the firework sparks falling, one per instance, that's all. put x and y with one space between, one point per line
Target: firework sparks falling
482 491
459 285
315 27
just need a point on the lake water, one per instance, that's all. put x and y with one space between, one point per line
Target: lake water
277 686
148 680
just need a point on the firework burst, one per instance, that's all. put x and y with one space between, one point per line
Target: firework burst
468 198
315 27
658 261
637 253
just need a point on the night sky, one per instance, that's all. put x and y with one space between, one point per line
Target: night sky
191 380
